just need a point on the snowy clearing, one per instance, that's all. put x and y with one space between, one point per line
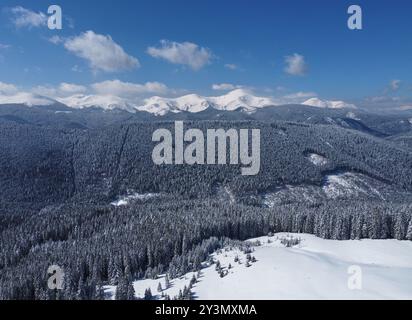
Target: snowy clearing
314 269
317 159
125 200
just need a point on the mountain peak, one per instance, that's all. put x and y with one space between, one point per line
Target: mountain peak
107 102
329 104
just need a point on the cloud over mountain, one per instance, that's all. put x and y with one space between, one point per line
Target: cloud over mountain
225 86
119 88
6 88
185 53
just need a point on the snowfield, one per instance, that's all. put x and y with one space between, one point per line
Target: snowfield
125 200
340 185
313 269
330 104
317 159
349 183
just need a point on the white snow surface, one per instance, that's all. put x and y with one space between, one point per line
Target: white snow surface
233 100
107 102
348 184
317 159
352 115
125 200
314 269
26 98
330 104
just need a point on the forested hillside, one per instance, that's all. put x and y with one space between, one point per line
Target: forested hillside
49 165
93 202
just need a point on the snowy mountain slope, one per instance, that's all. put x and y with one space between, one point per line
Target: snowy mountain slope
161 106
330 104
108 102
314 269
241 98
335 186
26 98
235 99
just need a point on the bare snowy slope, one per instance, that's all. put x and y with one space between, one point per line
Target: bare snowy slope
313 269
107 102
332 104
235 99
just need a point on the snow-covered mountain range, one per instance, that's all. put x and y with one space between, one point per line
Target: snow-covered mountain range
330 104
233 100
105 102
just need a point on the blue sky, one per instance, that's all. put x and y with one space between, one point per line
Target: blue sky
234 42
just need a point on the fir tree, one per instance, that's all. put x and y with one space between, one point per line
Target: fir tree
167 281
148 294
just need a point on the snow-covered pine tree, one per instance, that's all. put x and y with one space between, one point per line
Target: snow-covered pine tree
167 281
193 280
148 294
409 231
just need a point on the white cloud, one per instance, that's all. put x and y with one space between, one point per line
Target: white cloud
62 90
10 94
294 98
382 99
76 68
71 88
101 52
231 66
300 95
295 65
25 18
404 108
131 92
119 88
7 89
395 84
185 53
225 86
46 91
4 46
56 39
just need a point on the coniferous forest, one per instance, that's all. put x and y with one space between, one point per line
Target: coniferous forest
59 189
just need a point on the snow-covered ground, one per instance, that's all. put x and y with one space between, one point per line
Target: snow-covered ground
339 185
350 184
125 200
317 159
314 269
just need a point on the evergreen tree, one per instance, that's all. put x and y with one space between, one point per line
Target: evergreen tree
409 231
167 281
193 280
148 294
99 293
